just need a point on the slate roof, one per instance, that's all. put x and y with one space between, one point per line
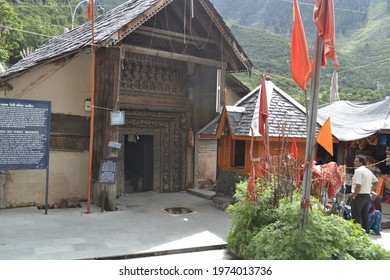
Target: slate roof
109 29
282 109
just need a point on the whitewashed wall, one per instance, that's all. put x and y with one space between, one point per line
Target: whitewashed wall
66 84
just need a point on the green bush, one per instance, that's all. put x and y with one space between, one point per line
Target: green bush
262 231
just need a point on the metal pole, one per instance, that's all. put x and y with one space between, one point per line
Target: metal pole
92 123
311 129
75 9
48 160
47 189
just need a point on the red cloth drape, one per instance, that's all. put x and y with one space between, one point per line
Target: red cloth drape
294 149
263 106
324 19
90 9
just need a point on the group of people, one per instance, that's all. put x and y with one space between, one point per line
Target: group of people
365 204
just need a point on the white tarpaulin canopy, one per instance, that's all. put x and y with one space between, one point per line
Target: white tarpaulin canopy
356 120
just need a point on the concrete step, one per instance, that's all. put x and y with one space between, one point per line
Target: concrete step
203 249
202 193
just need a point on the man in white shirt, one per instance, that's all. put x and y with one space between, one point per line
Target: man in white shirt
363 182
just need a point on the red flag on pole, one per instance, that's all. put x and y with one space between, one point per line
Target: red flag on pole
300 62
324 137
263 106
294 149
90 9
324 19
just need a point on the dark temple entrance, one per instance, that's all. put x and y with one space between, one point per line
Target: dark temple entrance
138 161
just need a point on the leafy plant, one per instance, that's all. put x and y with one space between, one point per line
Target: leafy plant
262 232
247 218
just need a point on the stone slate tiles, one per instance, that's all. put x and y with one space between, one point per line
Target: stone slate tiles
283 112
105 29
75 40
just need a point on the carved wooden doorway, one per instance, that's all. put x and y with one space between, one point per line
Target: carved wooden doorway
154 151
138 163
157 110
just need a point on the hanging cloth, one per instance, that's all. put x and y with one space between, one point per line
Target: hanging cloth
334 87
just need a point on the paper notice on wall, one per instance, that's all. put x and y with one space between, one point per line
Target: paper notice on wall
117 117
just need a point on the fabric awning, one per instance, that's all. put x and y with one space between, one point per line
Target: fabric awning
356 120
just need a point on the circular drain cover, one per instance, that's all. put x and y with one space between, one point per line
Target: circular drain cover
178 210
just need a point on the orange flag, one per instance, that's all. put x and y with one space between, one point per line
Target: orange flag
294 149
325 21
90 9
324 137
263 106
300 62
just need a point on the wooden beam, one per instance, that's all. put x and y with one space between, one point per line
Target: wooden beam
168 35
175 56
230 40
142 100
137 22
214 33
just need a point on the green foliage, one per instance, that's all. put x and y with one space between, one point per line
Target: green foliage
362 36
247 219
263 29
33 22
9 39
262 232
270 53
276 15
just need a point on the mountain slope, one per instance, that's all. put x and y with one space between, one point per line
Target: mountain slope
363 35
263 28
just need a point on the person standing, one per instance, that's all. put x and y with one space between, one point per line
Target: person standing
363 182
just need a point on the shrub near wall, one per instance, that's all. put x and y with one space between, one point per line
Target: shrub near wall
270 230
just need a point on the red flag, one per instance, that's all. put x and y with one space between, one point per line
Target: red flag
294 149
251 184
260 170
263 106
90 9
324 137
324 19
300 62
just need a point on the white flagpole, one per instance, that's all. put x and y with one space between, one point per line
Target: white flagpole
311 129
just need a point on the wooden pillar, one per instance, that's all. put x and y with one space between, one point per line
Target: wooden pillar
107 99
105 196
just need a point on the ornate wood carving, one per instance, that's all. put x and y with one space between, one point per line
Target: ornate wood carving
153 75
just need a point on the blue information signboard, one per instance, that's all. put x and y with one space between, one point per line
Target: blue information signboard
24 134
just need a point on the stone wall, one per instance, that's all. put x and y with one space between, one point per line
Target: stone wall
226 182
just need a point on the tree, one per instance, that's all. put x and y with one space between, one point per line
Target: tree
10 37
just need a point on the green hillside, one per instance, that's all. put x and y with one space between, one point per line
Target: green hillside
262 27
276 15
363 34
